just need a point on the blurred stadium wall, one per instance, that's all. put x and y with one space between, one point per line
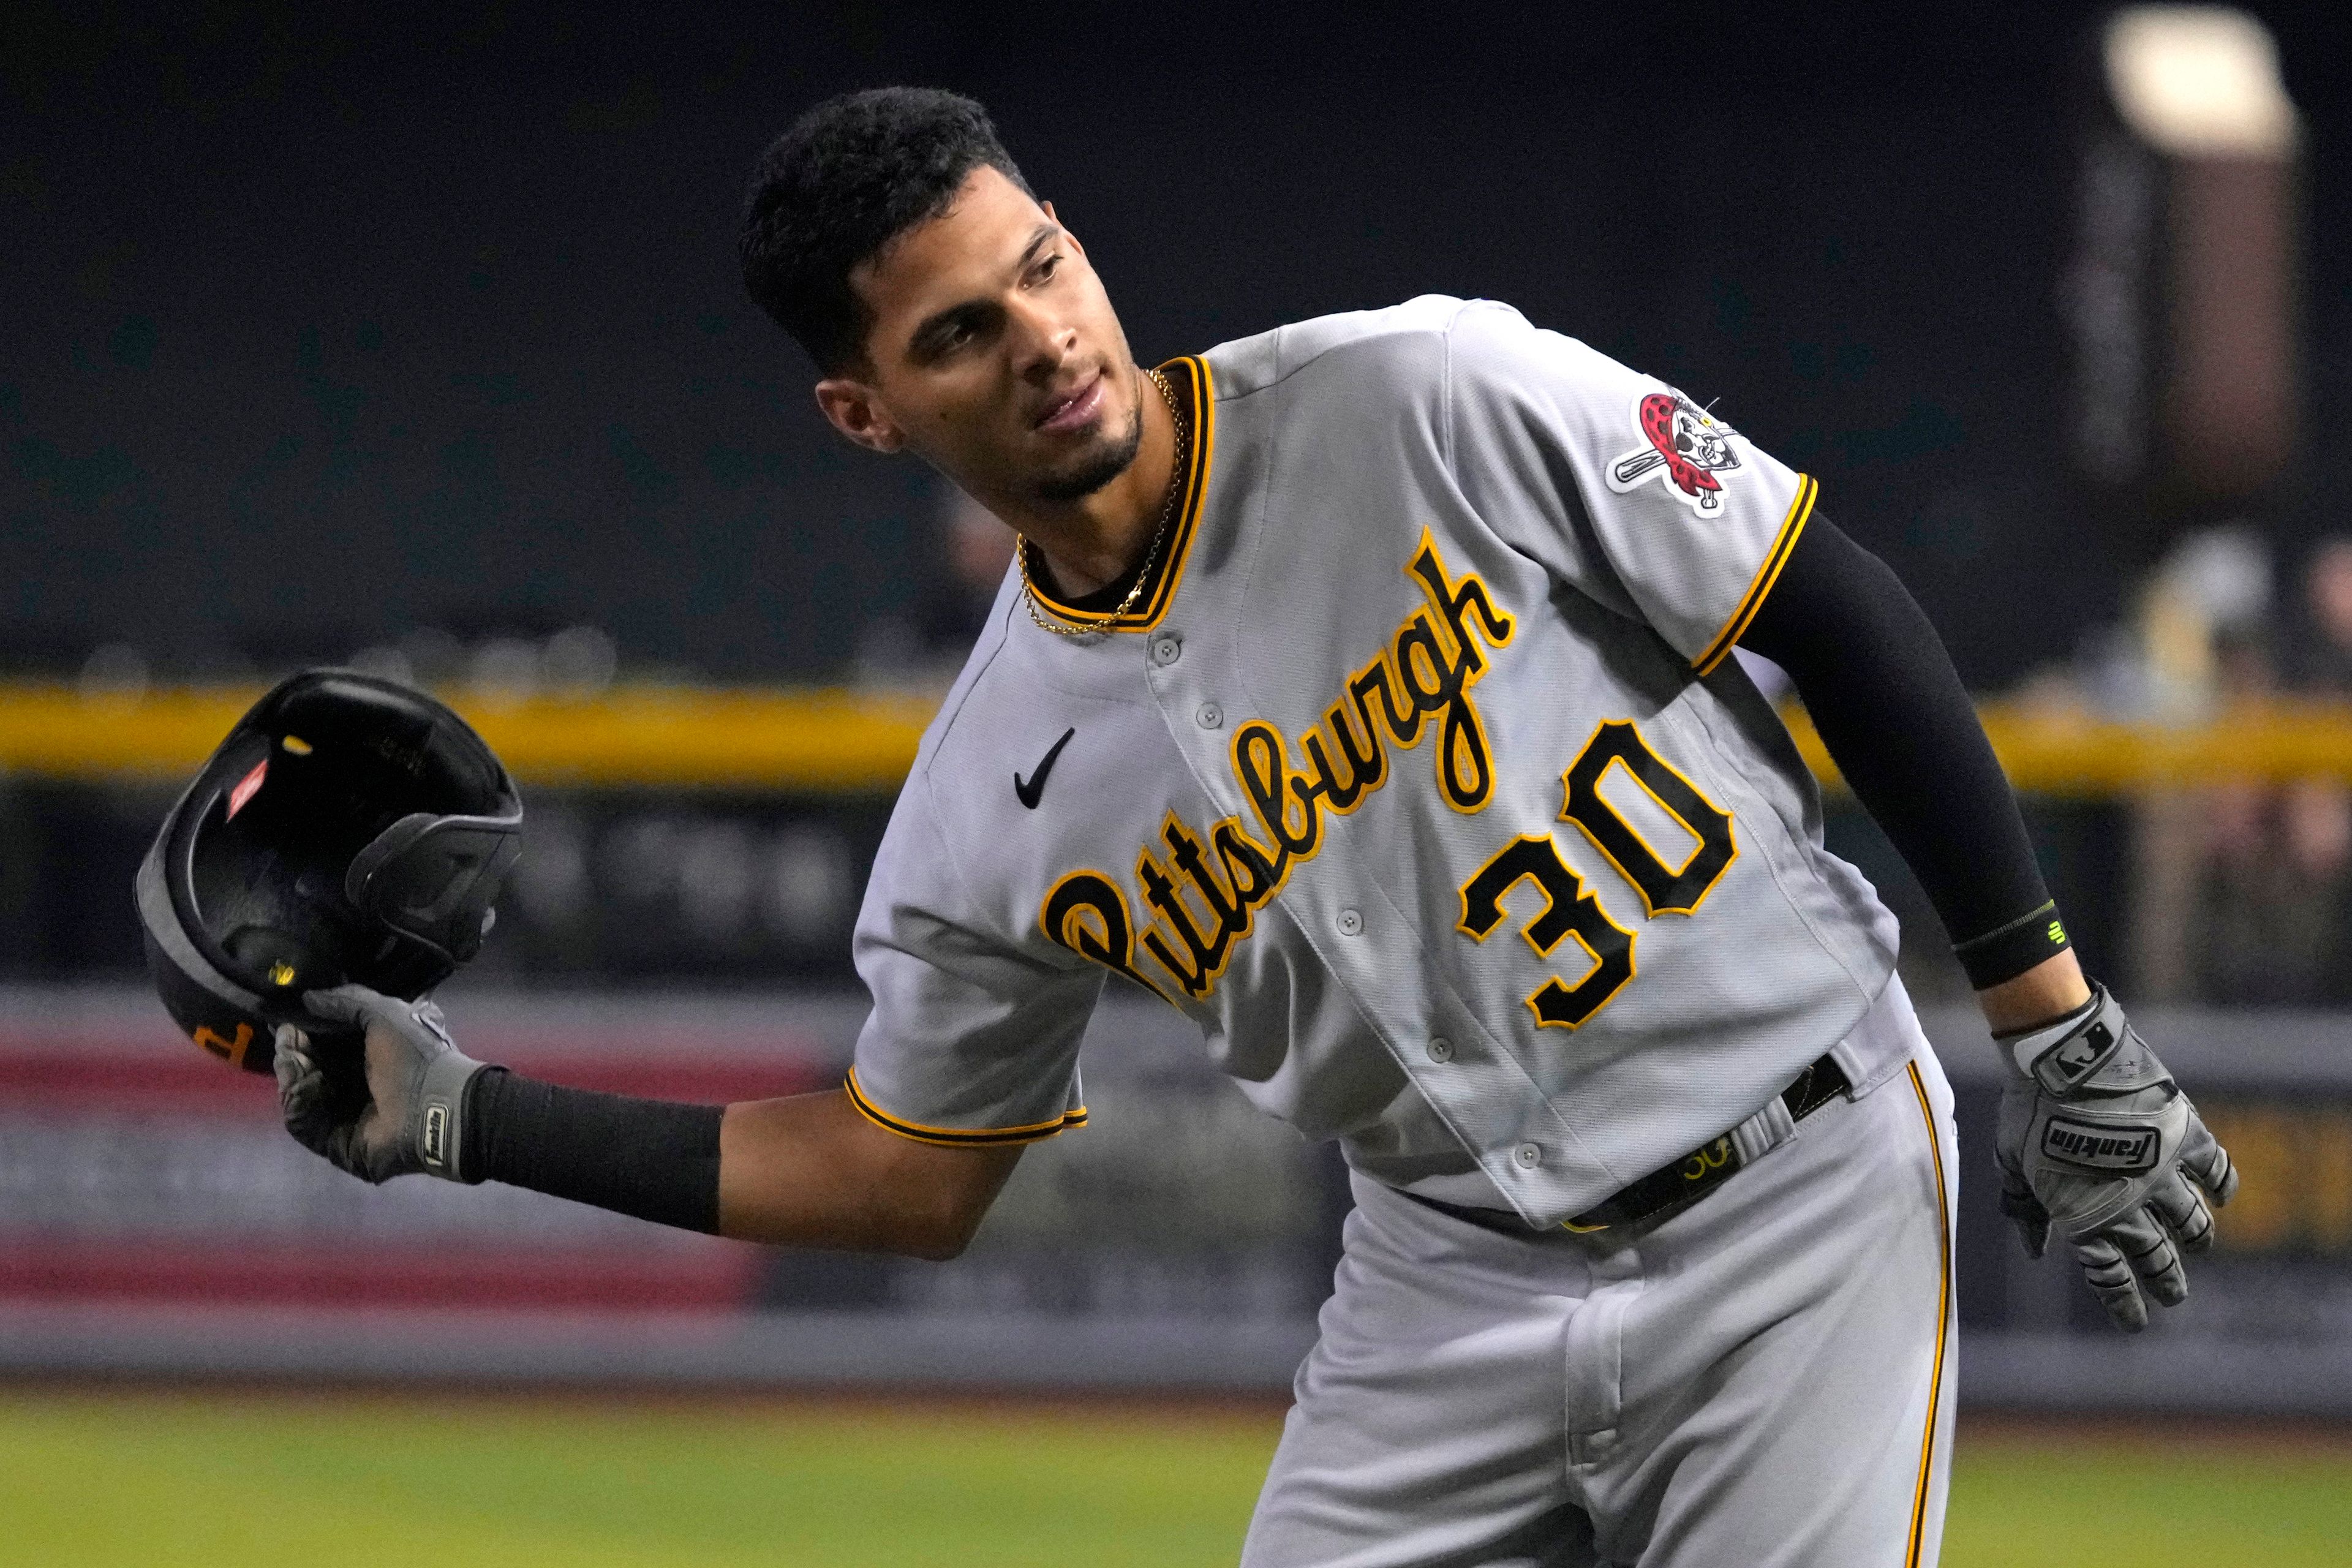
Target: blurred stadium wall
155 1220
412 341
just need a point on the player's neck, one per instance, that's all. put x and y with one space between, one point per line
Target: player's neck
1100 538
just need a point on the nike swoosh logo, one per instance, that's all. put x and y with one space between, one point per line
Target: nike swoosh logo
1032 788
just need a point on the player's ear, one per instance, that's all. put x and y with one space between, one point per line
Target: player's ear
850 406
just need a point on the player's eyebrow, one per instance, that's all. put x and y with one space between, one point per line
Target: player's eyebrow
1047 232
923 339
931 333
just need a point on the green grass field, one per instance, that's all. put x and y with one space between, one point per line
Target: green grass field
324 1481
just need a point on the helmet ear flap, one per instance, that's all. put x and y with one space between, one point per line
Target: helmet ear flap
432 879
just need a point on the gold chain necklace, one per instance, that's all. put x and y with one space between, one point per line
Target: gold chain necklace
1159 536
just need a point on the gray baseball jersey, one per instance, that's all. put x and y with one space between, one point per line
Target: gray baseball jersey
1418 776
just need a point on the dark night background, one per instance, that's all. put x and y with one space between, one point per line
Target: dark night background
316 326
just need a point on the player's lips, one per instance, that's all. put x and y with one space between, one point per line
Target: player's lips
1073 410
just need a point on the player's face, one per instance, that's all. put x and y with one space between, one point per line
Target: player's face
994 353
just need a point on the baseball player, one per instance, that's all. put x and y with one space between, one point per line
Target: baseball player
1364 690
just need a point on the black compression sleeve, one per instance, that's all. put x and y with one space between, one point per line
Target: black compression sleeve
1895 719
654 1159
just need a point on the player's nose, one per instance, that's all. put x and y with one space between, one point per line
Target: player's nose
1042 340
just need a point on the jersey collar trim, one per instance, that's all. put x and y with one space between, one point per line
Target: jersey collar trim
1188 378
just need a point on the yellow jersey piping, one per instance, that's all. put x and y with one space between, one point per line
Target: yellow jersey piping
960 1137
1202 393
1759 587
1943 1323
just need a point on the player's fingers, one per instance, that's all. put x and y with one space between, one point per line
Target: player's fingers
346 1149
2148 1247
2202 1156
337 1147
302 1093
292 1050
353 1005
2110 1278
299 1097
308 1102
340 1006
2025 1212
2183 1210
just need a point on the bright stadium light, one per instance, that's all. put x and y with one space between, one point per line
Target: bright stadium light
2200 81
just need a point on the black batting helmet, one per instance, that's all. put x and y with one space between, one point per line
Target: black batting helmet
348 829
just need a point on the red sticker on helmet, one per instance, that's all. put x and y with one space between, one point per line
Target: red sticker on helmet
247 787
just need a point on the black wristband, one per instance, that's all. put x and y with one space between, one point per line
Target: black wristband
653 1159
2009 950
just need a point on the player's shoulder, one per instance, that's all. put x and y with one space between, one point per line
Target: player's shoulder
1424 342
1413 332
1491 345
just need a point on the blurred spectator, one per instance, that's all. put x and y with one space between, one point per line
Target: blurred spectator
2199 643
2325 665
2273 897
969 552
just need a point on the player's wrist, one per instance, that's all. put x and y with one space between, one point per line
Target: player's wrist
2060 1053
2014 950
651 1159
2036 996
438 1121
2089 1051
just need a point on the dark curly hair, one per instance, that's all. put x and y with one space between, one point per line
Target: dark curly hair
852 174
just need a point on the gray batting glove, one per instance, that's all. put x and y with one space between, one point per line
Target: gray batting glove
2096 1142
412 1117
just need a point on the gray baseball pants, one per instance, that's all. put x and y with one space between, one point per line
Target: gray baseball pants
1764 1378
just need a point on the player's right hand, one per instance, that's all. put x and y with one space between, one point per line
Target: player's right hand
410 1115
2096 1140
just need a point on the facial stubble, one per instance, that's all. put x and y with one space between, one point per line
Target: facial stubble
1097 467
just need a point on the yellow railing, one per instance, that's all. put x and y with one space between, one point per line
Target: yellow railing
830 741
2057 752
649 736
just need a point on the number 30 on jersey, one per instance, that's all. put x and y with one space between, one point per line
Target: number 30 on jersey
1570 909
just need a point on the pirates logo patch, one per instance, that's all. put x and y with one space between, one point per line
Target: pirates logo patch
1683 447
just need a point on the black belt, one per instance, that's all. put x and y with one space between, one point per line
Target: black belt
1686 1181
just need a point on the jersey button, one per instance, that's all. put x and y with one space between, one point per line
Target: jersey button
1441 1049
1167 649
1211 716
1350 924
1527 1156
